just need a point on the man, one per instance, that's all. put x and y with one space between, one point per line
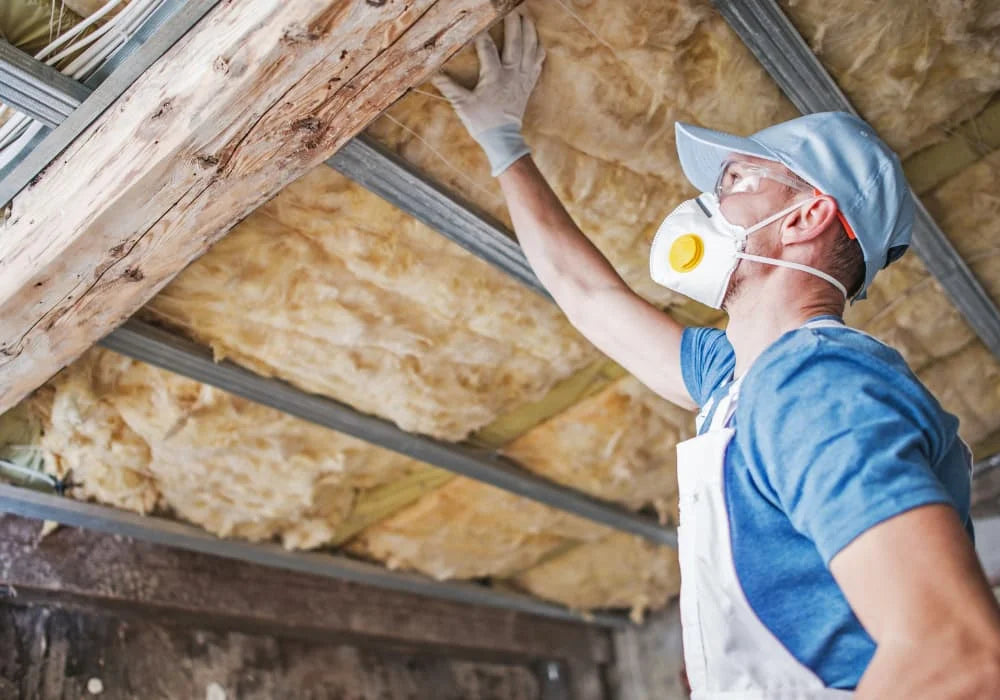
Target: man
825 537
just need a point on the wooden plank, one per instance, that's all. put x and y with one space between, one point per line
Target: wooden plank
115 573
256 94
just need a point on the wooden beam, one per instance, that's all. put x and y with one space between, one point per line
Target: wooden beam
98 571
252 97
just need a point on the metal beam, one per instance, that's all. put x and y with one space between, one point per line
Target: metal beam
170 533
157 34
158 347
35 89
381 171
769 34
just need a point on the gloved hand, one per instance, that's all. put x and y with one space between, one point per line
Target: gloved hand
493 110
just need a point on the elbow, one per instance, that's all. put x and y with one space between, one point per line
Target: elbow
986 673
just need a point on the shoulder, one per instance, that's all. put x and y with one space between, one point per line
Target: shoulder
830 358
707 360
826 381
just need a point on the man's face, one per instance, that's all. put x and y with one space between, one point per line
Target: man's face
746 208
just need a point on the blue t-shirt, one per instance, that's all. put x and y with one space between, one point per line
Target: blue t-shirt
834 434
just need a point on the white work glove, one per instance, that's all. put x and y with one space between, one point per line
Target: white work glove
493 110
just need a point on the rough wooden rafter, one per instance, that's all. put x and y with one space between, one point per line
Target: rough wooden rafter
256 94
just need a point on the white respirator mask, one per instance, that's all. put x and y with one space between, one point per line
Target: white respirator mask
696 250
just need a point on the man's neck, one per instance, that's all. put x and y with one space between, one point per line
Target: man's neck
757 320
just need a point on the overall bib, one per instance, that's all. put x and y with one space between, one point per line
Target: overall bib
728 651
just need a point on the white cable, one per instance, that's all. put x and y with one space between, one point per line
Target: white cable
105 39
97 47
23 139
91 59
108 6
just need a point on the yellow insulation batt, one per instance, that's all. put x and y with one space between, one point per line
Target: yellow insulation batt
913 69
967 206
619 571
138 437
468 529
31 25
331 288
618 445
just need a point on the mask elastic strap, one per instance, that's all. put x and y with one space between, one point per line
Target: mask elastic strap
774 217
796 266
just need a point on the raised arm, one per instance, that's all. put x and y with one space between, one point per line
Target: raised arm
595 299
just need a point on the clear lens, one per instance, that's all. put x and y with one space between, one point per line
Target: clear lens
739 176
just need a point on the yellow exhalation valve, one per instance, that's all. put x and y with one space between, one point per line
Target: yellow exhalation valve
686 252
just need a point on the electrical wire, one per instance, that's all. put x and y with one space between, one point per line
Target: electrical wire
92 51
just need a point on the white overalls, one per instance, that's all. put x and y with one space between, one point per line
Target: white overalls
728 651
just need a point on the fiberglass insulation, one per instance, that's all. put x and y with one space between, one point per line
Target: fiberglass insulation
619 571
333 289
618 445
138 437
913 69
967 206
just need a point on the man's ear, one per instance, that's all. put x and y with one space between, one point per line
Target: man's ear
811 219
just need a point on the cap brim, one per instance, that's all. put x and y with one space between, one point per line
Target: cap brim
703 151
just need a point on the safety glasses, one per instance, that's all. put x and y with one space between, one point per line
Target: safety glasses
740 176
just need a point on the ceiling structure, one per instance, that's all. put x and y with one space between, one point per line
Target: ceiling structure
337 292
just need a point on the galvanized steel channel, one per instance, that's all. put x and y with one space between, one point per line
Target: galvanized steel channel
35 89
381 171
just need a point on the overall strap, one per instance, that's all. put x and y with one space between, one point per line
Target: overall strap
726 409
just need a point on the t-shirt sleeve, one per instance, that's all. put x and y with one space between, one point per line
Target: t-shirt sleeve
839 442
707 360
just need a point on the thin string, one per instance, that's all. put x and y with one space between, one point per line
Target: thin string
429 94
492 195
586 26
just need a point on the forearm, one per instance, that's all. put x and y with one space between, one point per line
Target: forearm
563 258
938 667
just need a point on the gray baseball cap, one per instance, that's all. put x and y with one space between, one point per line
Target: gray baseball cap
835 152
